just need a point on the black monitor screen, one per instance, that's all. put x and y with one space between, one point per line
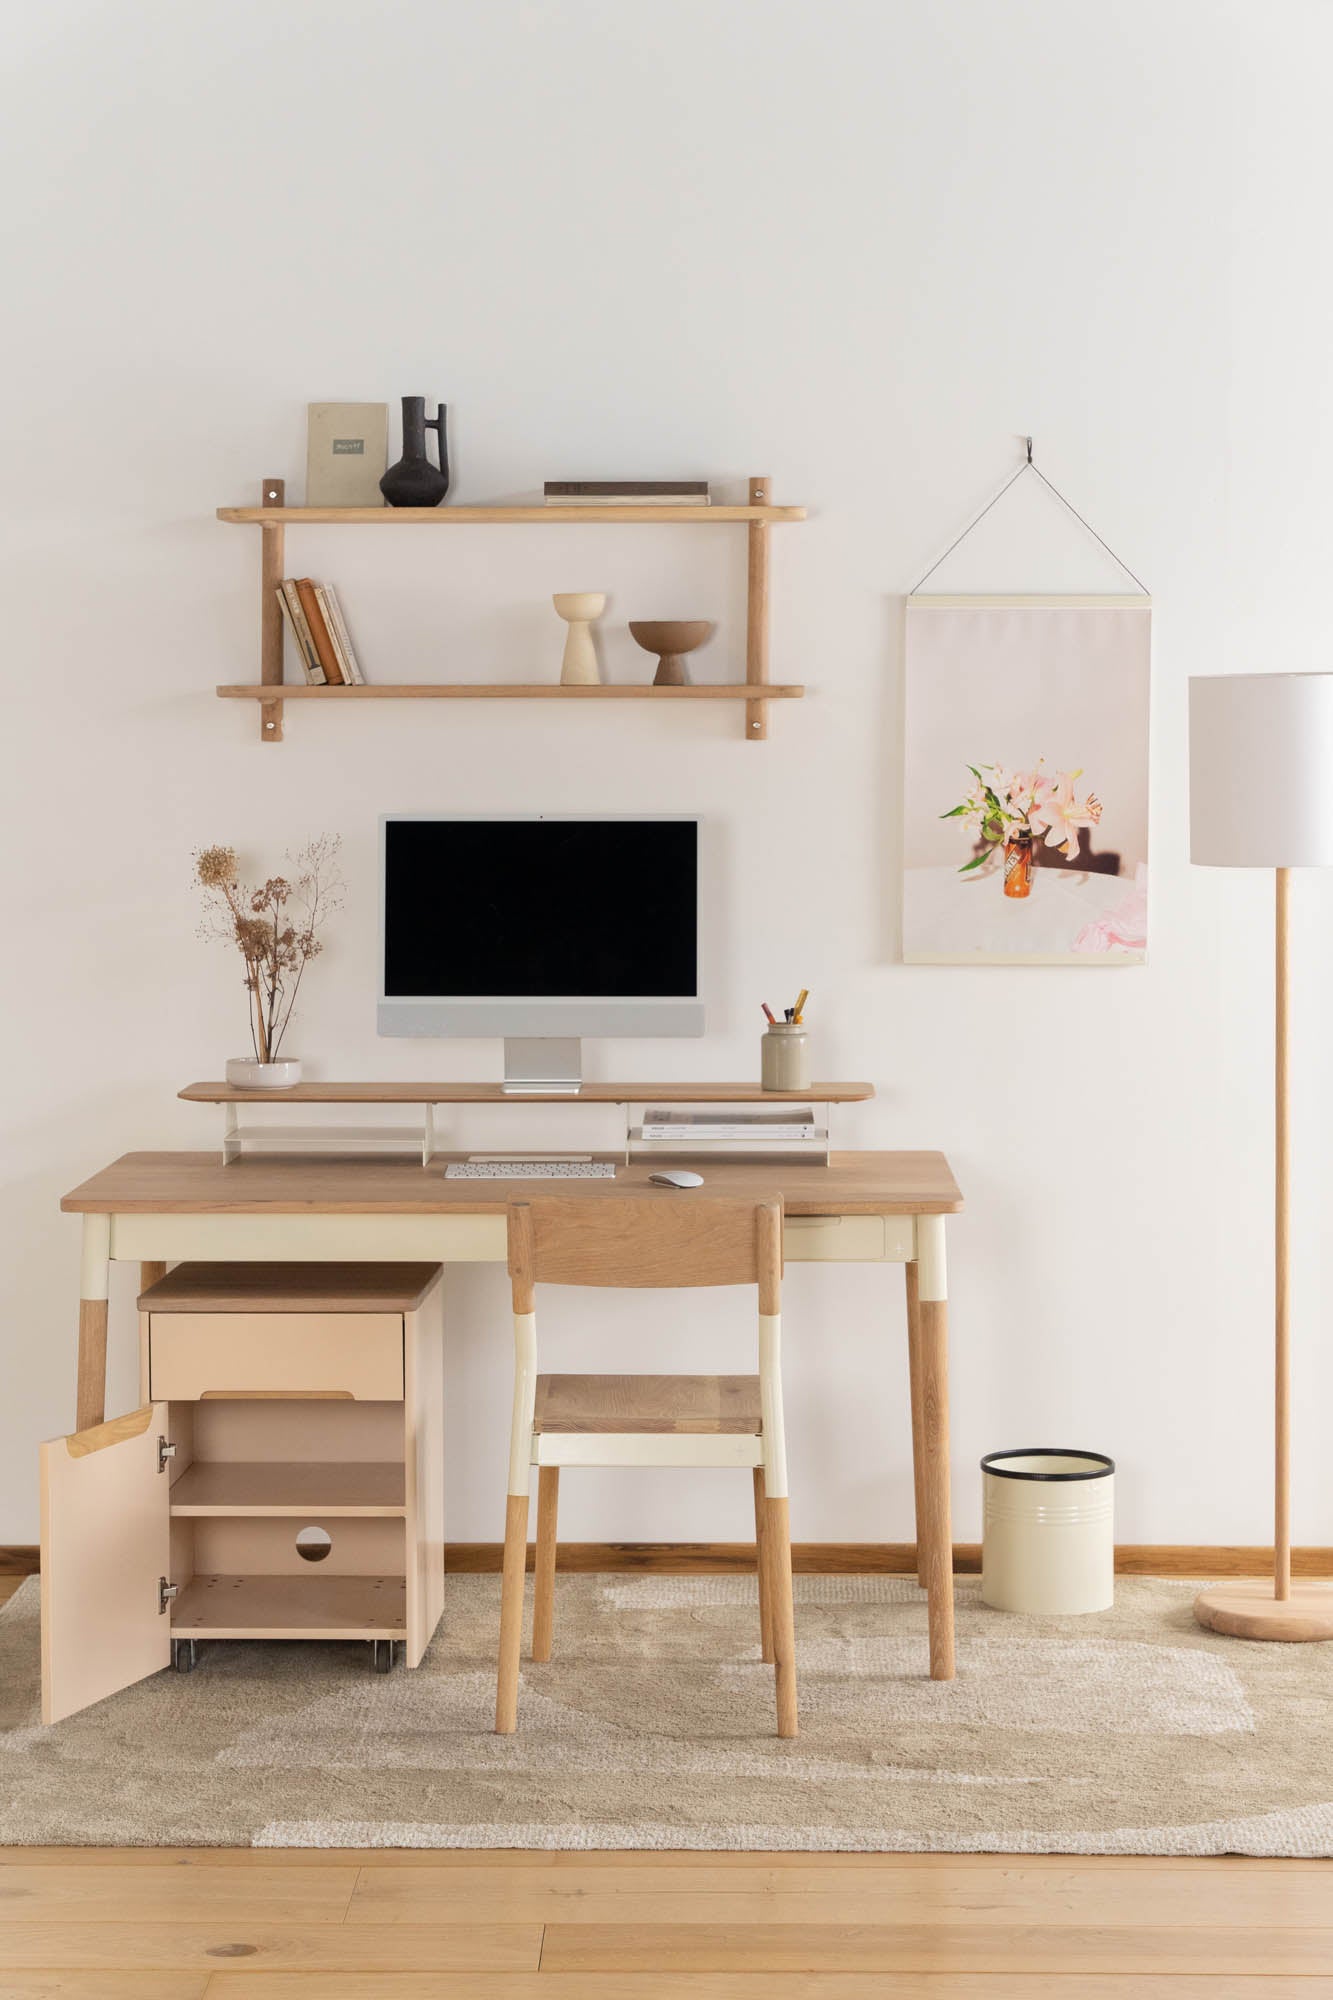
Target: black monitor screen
528 908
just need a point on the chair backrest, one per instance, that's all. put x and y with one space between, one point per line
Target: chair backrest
666 1240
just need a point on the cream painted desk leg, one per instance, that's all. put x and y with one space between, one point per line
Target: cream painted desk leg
929 1336
90 1401
914 1391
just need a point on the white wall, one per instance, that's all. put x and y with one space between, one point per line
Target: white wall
857 246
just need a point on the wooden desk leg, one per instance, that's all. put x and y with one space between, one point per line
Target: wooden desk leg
90 1400
935 1529
914 1390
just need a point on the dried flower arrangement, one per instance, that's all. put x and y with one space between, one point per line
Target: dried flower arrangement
274 926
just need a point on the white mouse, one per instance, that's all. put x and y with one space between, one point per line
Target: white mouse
676 1177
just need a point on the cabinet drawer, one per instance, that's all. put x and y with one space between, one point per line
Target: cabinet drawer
356 1355
847 1239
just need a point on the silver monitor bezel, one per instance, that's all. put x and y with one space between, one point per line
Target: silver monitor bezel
644 1016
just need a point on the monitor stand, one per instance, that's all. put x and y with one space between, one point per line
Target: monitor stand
546 1064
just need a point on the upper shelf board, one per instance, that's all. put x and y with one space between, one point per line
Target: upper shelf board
445 516
495 1093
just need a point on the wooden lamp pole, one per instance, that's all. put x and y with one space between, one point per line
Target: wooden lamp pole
1248 733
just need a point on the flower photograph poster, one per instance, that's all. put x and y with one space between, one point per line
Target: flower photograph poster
1026 795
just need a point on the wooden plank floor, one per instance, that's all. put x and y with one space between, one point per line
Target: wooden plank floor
257 1924
238 1924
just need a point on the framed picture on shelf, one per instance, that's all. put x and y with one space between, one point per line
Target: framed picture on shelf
1026 786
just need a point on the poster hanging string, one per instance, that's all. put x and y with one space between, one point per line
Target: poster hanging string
1030 465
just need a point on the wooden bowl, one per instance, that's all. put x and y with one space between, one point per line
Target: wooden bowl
671 639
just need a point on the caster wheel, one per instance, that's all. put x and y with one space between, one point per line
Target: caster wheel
381 1655
183 1656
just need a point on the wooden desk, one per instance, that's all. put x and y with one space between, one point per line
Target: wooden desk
159 1208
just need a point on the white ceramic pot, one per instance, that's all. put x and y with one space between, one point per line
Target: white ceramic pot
1048 1539
246 1073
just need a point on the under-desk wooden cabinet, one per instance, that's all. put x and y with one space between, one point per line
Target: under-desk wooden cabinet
283 1477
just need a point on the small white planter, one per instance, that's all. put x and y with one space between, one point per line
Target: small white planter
246 1073
1048 1538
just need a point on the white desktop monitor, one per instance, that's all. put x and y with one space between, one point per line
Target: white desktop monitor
541 928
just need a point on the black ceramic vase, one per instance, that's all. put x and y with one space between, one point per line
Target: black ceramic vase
414 481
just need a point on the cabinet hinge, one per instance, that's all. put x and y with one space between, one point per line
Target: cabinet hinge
165 1592
165 1450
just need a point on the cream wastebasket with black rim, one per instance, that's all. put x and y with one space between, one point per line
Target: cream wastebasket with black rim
1048 1540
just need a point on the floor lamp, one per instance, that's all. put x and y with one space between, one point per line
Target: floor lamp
1261 766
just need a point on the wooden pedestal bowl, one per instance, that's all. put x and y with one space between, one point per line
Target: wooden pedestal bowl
671 639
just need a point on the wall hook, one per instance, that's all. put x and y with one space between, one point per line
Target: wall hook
1028 443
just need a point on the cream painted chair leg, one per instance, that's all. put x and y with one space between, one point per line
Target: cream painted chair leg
914 1392
777 1551
935 1528
543 1583
777 1525
516 1522
90 1392
761 1568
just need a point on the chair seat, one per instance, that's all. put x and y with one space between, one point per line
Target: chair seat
701 1405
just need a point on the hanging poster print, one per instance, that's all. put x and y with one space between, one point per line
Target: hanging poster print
1026 797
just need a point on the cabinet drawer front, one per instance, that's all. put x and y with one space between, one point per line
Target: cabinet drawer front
847 1239
357 1355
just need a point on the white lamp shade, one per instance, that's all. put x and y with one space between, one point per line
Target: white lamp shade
1261 771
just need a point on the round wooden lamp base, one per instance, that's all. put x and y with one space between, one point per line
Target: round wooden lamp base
1249 1610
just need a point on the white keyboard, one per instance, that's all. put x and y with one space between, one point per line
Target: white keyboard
530 1170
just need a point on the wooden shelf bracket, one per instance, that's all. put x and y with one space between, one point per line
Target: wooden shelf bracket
270 611
756 615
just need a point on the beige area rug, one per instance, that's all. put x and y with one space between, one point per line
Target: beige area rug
1130 1732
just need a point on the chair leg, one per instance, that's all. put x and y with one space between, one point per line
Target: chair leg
761 1566
543 1588
777 1549
511 1613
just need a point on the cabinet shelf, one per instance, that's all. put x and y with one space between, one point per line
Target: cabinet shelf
272 517
292 1607
320 1491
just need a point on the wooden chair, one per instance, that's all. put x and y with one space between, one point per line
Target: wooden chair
668 1240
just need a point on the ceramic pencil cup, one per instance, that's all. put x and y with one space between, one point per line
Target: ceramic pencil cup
784 1062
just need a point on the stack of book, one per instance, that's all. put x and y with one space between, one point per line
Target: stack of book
626 493
730 1133
320 631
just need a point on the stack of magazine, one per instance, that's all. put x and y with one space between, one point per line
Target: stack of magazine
730 1132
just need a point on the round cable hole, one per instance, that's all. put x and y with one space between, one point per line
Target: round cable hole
313 1544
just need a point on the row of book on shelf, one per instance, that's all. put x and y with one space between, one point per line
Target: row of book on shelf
626 493
322 640
791 1133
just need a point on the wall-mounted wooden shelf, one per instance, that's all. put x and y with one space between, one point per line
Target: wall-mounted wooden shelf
511 691
272 518
461 517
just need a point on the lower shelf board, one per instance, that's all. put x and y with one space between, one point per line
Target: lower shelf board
291 1607
322 1491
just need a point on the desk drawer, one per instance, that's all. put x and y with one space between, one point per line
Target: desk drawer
353 1355
848 1239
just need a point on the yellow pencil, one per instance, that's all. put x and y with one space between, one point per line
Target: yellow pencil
801 999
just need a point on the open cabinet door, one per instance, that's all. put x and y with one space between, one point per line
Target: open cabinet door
106 1539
